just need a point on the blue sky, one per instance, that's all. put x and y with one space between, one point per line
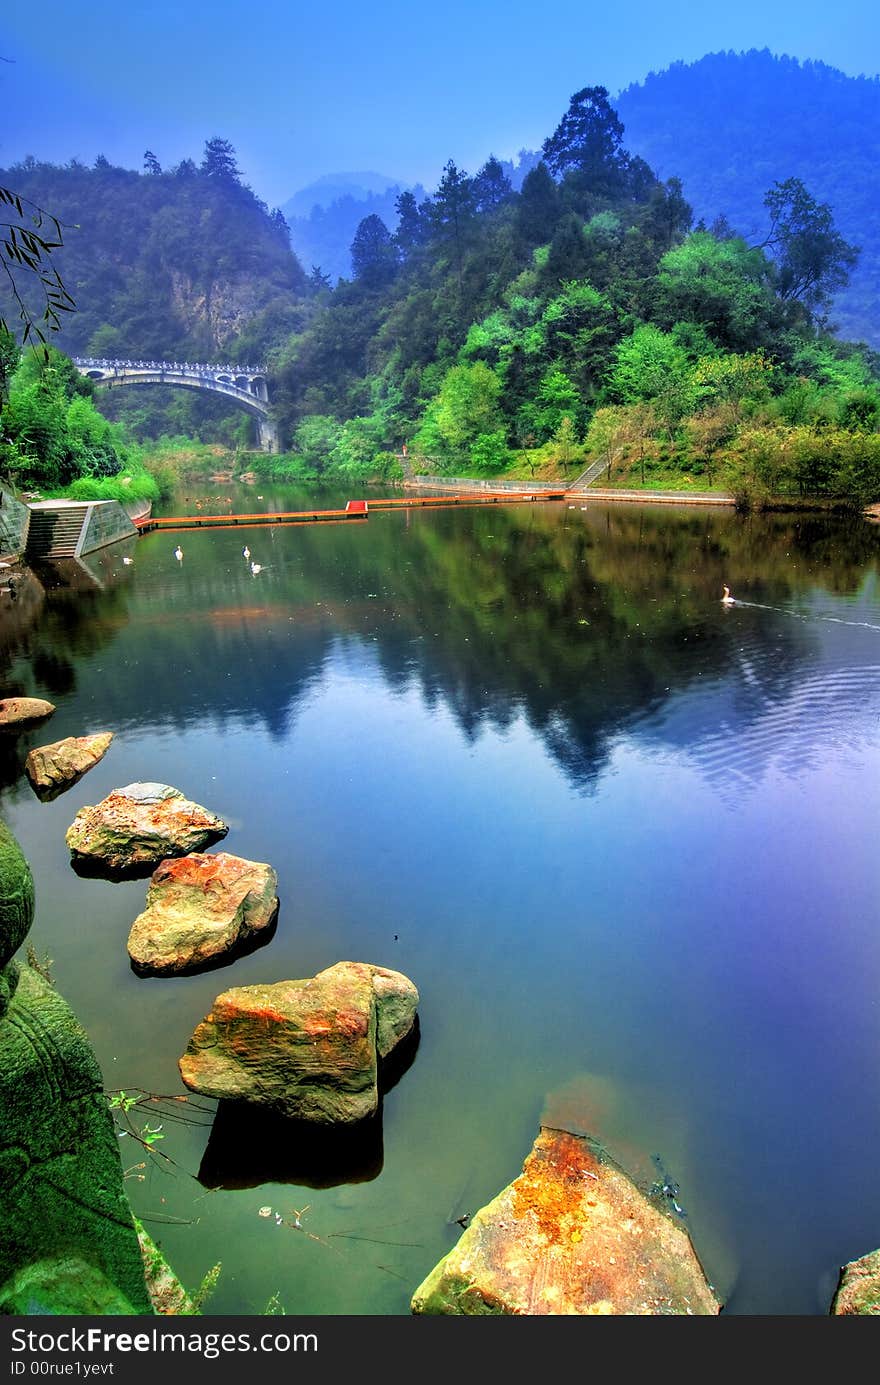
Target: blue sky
393 86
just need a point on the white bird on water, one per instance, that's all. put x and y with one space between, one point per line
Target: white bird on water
128 561
178 553
727 599
246 552
256 567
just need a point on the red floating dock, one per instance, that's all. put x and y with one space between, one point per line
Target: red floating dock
354 509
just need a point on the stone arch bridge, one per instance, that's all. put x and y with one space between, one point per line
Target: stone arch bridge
245 385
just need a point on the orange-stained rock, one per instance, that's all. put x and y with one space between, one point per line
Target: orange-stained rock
571 1235
20 711
858 1292
56 767
200 907
139 825
307 1049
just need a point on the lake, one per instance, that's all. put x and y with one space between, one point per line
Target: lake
622 838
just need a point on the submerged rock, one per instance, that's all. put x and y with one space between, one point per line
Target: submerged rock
20 711
571 1235
140 825
199 908
858 1292
53 768
309 1049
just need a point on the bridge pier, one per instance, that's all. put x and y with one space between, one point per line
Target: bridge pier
267 431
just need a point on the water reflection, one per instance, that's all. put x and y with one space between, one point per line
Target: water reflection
249 1146
607 826
587 624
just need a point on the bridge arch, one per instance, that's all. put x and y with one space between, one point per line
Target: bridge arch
246 386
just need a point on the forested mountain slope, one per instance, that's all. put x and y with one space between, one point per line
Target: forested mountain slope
732 124
181 264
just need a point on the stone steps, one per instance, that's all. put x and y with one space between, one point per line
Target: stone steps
55 533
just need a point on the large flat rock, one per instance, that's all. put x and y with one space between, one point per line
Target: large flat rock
201 908
53 768
24 711
572 1235
308 1049
141 825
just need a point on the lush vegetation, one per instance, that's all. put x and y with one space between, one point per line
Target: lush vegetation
54 439
179 264
494 330
583 318
733 123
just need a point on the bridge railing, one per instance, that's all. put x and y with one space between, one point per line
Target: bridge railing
180 367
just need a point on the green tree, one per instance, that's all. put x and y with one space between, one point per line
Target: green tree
218 160
565 441
651 366
724 285
466 406
373 253
451 212
492 187
558 400
812 258
489 452
411 229
588 142
538 209
10 355
315 438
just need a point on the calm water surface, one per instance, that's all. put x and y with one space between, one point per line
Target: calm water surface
622 839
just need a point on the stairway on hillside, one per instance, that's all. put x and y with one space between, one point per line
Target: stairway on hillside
586 477
54 533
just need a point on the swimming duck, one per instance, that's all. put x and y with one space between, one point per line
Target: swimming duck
727 599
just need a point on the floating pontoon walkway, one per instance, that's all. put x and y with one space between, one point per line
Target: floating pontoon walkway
354 510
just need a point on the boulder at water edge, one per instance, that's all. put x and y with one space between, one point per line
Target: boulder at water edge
308 1050
53 768
16 911
69 1243
571 1235
140 825
859 1289
199 908
23 711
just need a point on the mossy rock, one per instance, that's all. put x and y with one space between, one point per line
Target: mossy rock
16 896
62 1196
64 1285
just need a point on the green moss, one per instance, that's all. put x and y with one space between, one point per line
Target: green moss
16 895
61 1181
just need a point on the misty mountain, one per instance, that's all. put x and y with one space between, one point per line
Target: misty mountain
332 187
324 216
323 236
732 124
